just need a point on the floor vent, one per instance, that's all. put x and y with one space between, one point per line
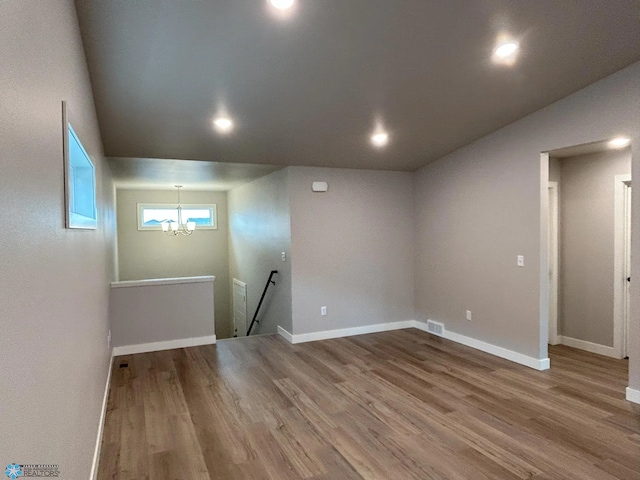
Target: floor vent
436 328
124 365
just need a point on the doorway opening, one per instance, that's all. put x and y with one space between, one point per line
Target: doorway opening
587 230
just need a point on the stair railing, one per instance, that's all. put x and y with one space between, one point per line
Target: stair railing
264 292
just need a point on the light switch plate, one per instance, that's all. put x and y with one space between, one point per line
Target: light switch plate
521 260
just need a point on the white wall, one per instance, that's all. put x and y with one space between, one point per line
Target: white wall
152 254
352 248
479 207
54 282
587 224
259 231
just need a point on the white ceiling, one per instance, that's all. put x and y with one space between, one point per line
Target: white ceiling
308 89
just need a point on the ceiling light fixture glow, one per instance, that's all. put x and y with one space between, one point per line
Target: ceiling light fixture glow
223 124
282 4
619 142
506 52
380 139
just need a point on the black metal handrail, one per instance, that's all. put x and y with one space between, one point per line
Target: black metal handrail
264 292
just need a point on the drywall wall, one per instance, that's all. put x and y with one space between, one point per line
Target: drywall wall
259 231
152 254
352 248
54 282
480 207
587 252
162 310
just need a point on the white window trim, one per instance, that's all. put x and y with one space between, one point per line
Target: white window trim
173 206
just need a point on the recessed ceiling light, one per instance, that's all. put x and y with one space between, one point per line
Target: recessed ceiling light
505 52
223 124
619 142
380 139
282 4
506 49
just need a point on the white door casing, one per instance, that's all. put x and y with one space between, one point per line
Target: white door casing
622 270
627 274
554 224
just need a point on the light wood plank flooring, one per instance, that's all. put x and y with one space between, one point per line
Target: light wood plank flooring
394 405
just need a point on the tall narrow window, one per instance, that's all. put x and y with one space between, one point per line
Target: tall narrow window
80 185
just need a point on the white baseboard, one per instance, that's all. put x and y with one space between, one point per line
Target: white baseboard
633 395
531 362
527 361
168 345
282 332
343 332
103 413
545 364
589 346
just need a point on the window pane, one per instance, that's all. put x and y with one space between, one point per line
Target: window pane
81 179
151 216
199 216
155 216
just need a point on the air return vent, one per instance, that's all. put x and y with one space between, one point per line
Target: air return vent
436 328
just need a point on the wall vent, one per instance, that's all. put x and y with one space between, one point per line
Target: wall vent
436 328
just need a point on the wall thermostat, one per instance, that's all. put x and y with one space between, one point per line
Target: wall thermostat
319 186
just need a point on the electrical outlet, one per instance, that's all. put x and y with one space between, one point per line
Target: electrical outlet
323 311
469 315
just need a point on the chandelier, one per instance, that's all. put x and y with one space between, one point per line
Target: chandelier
171 228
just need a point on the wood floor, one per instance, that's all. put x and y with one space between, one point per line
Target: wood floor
394 405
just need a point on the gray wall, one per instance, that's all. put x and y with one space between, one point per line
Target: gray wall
480 207
152 254
587 239
555 172
352 248
161 312
54 282
259 230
